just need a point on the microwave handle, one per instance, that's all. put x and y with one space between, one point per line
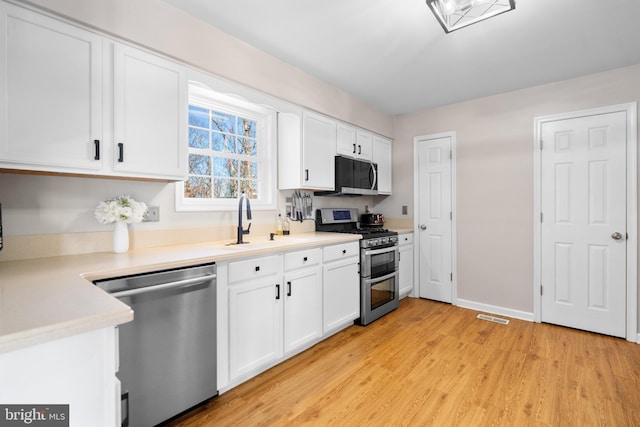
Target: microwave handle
375 176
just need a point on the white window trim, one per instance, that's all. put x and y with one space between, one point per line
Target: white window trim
206 97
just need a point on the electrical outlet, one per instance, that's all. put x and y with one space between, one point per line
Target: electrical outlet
405 210
153 214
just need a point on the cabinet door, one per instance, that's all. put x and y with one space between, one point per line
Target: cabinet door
50 94
150 115
382 156
346 141
341 294
302 308
255 325
318 152
405 269
364 145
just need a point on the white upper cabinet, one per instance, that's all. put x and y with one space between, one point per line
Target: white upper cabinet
150 123
364 142
50 94
346 140
382 156
306 151
58 89
352 142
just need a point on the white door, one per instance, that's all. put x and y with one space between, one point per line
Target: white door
583 241
434 203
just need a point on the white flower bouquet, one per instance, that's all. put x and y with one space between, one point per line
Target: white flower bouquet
121 209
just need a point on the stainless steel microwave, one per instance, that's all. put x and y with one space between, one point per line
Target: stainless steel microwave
353 178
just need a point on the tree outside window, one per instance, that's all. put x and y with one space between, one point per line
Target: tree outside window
223 155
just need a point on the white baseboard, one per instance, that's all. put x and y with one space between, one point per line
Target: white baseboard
492 309
638 339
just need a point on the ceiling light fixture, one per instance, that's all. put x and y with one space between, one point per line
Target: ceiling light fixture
456 14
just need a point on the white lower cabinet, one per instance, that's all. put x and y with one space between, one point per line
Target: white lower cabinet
302 300
340 287
405 264
282 304
255 314
79 371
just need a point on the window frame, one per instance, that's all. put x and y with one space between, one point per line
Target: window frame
266 140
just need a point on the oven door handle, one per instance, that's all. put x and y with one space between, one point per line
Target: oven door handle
381 278
381 251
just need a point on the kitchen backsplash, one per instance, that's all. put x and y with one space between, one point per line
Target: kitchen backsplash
54 215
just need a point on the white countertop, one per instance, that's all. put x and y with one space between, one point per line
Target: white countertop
50 298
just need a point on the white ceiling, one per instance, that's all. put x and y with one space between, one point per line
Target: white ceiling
394 54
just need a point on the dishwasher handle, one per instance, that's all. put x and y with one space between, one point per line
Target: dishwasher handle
164 286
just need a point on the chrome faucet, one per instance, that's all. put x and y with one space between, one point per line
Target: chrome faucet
242 232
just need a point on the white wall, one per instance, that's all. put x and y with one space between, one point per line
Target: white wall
495 176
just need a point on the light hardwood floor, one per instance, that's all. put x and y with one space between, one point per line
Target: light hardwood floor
429 363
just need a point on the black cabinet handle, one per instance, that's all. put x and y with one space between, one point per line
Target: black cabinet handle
96 143
304 259
120 152
124 397
277 291
344 251
257 268
289 289
354 148
306 174
359 149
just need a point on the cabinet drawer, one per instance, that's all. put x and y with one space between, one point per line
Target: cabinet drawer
343 250
405 239
253 268
299 259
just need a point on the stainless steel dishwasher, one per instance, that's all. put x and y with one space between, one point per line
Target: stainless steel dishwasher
168 352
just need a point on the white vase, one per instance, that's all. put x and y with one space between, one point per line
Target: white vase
120 238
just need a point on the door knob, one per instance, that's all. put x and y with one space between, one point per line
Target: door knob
616 236
423 227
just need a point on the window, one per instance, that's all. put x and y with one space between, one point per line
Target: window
231 151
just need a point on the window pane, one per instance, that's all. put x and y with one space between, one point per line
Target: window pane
197 187
224 188
198 138
199 165
246 127
198 117
225 167
223 143
248 170
247 146
250 187
223 122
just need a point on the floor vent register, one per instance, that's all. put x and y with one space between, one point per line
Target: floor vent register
493 319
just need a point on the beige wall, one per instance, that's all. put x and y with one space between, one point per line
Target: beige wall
161 27
495 176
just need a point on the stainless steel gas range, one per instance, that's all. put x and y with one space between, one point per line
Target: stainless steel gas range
379 293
